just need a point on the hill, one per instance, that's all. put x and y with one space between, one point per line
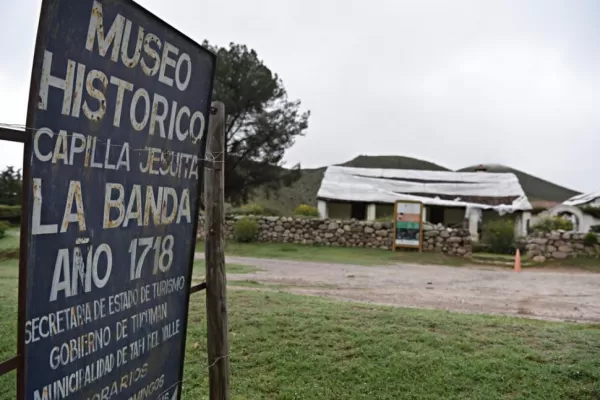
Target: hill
535 188
306 188
393 162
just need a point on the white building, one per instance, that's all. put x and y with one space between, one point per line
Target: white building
449 197
572 209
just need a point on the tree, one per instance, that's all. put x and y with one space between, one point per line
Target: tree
261 123
10 186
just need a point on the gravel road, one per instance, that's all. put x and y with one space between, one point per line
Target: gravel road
552 295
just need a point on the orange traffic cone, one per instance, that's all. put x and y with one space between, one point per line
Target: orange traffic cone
518 261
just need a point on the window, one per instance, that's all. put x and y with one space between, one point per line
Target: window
435 214
359 211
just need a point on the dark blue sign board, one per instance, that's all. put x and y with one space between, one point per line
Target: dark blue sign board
119 107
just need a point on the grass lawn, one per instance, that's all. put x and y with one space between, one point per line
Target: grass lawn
9 270
361 256
584 263
200 269
338 255
9 245
11 240
293 347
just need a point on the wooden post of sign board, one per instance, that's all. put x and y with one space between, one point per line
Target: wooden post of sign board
216 282
421 223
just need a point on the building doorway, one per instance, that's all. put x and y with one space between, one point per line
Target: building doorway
570 217
359 211
435 214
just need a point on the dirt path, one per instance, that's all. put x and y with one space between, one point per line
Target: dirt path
535 294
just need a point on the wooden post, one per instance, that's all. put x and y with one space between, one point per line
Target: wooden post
216 282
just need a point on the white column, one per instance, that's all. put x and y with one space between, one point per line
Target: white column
473 217
371 212
424 214
322 207
521 223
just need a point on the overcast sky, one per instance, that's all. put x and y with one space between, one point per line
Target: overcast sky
455 82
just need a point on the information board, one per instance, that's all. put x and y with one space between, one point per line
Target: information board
408 224
118 110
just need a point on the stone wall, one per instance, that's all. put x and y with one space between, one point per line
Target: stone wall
349 233
558 245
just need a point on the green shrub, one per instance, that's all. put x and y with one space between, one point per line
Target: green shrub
304 210
480 247
3 228
252 209
549 224
270 212
499 235
595 228
245 230
10 214
590 239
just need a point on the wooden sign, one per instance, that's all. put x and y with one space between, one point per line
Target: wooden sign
119 107
408 224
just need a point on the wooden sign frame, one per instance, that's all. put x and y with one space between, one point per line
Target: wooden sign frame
405 246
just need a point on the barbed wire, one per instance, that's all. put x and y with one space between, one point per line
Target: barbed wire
208 156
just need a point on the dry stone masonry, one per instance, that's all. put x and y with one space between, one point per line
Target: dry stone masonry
349 233
558 245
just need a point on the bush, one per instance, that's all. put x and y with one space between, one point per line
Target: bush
304 210
550 224
10 214
499 235
252 209
245 230
3 228
480 247
595 228
590 239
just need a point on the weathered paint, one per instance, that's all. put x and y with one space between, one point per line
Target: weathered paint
105 181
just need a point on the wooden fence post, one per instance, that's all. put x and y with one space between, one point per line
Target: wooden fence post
216 282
